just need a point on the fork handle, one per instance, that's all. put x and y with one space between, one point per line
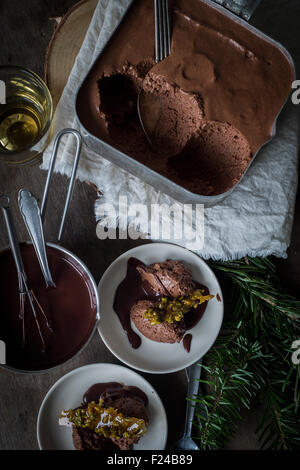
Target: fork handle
32 217
193 374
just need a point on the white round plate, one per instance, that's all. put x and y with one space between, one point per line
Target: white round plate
152 356
68 391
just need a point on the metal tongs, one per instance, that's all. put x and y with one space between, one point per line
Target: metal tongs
32 214
33 218
78 137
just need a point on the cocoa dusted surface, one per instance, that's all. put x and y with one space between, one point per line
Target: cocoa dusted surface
170 278
221 90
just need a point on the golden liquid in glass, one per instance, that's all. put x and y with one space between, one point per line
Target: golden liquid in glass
20 126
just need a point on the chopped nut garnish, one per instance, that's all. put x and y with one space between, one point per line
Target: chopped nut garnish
173 310
106 421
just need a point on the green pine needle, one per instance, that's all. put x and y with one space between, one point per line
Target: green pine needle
252 357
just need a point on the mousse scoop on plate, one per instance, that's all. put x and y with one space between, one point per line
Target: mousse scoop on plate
161 308
164 301
103 407
113 417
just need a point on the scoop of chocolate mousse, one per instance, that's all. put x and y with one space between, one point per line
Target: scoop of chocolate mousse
123 400
170 278
85 439
163 333
205 156
216 157
180 115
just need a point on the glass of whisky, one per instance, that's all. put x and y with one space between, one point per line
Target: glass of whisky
25 115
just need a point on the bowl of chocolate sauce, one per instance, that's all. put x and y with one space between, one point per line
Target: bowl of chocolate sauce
71 310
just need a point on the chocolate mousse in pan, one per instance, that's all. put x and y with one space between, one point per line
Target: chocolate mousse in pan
222 89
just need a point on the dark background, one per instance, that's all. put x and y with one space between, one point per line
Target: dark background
25 30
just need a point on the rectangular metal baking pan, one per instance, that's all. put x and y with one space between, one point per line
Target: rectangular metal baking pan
145 173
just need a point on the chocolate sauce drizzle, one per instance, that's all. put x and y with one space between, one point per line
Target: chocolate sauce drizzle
113 390
187 342
132 289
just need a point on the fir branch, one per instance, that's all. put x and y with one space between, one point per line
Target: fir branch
280 425
236 375
266 318
258 277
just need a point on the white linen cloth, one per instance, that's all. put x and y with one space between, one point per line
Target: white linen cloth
255 220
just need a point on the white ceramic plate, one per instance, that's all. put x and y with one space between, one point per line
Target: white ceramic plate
68 391
152 356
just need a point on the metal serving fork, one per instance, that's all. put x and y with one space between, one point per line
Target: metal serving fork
193 375
162 30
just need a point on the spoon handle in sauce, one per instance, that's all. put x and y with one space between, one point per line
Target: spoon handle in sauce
193 375
22 279
31 214
13 240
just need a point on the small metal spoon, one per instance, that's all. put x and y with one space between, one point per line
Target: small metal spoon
193 374
31 214
149 110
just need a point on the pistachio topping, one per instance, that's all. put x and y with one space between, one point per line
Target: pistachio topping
173 310
106 421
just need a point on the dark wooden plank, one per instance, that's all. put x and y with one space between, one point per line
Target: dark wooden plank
26 30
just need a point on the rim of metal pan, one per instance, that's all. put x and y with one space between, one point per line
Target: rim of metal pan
122 159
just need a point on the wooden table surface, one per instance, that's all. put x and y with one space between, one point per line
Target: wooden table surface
25 31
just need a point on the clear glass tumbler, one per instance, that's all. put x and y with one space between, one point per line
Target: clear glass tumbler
25 115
